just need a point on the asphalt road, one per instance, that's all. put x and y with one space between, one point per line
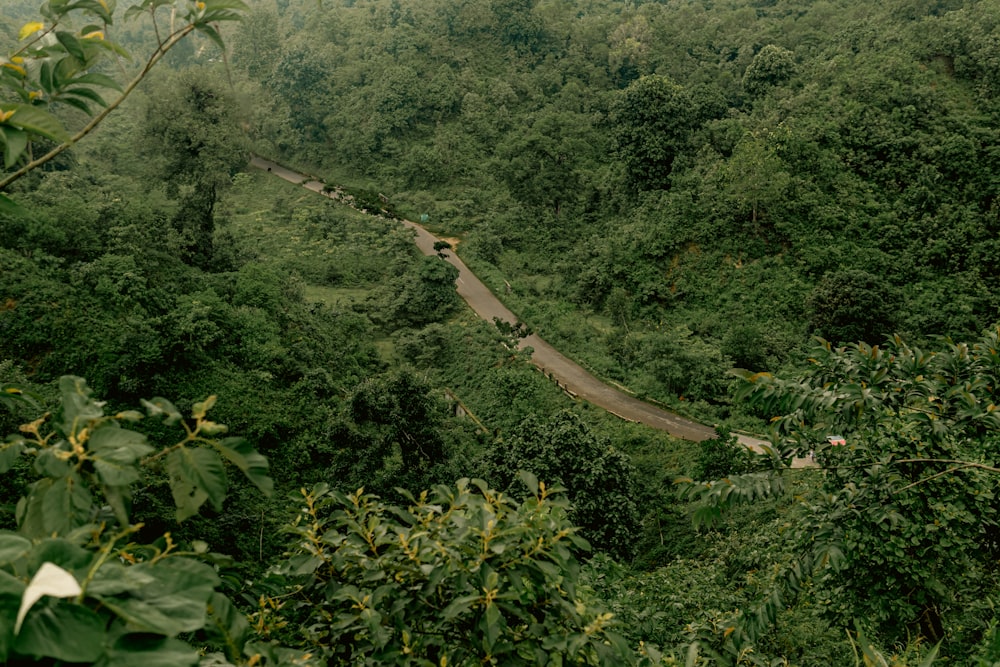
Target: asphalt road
569 375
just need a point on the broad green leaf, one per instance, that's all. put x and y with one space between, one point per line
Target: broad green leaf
196 474
529 480
86 93
116 452
216 5
220 10
50 580
119 498
133 11
65 71
253 464
13 547
116 473
98 79
50 462
209 30
161 407
168 616
10 451
10 207
490 625
103 8
78 408
45 77
458 606
188 498
11 586
34 120
174 601
72 45
142 650
15 142
64 631
228 625
62 552
55 506
120 443
113 578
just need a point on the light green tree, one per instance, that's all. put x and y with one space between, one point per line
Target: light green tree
772 66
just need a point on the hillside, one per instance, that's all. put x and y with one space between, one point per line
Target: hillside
667 192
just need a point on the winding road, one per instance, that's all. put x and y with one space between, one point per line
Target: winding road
566 373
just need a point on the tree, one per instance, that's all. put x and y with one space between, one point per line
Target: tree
463 575
903 531
772 66
852 305
628 52
755 177
600 480
257 43
422 295
543 164
399 413
192 133
45 72
651 121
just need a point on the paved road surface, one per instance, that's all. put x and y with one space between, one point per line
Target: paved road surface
568 374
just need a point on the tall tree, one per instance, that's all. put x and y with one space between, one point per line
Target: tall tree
193 137
599 479
651 121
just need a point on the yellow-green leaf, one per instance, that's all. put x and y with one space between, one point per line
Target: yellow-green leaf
29 29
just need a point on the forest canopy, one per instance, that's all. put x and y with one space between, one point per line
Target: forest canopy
777 217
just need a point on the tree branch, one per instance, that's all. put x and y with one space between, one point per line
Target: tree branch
96 120
935 476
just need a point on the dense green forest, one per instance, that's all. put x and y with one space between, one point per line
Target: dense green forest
776 216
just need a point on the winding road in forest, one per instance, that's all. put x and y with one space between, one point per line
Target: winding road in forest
569 375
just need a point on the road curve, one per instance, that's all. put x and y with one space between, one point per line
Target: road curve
565 372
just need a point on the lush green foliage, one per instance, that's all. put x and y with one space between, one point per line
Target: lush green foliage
75 585
460 576
61 65
780 151
664 190
652 120
600 480
902 531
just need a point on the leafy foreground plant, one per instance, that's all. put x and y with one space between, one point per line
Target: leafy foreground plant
58 64
902 533
74 587
463 576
